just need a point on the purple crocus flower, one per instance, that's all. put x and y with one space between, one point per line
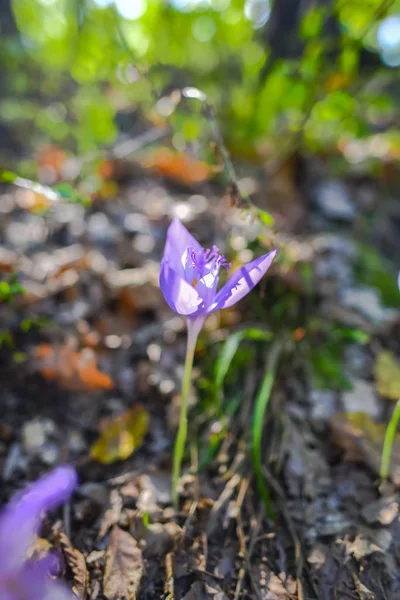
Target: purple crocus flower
189 279
20 520
189 276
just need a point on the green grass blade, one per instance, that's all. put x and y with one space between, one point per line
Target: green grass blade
261 404
229 350
389 441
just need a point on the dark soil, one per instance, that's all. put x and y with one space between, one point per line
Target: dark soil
91 281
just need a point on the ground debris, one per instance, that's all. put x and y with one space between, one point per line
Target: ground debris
124 566
121 435
362 441
76 563
74 370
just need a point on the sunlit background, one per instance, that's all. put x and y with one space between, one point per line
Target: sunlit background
320 75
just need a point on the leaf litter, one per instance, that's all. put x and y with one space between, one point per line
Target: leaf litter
111 361
123 568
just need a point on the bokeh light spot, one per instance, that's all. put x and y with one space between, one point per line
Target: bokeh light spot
388 38
257 11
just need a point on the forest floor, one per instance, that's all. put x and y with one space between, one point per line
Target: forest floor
92 349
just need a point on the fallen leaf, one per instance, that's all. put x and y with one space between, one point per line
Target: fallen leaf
121 436
200 591
161 538
73 370
382 511
112 515
51 157
387 375
124 566
364 593
362 440
76 563
177 166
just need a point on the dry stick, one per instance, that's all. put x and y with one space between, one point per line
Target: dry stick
272 482
67 519
169 577
218 139
244 486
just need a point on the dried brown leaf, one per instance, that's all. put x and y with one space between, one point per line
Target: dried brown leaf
124 566
112 514
76 563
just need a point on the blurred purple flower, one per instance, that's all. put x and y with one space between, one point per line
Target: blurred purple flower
20 520
189 275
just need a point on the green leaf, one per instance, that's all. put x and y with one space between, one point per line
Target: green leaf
229 350
371 270
8 176
68 192
311 25
349 59
265 218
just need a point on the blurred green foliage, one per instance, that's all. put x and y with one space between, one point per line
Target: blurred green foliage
10 289
78 71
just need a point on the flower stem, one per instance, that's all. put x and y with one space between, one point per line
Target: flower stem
180 441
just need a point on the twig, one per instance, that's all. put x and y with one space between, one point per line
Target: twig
191 92
169 577
272 482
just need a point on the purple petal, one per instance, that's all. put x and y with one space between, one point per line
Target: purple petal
206 287
178 241
20 520
32 582
180 296
242 281
51 490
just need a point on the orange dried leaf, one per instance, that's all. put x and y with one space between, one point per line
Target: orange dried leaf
121 436
73 370
52 157
177 166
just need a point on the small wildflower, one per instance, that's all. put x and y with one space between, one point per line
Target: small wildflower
189 278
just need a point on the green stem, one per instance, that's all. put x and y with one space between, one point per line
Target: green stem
389 441
180 441
260 408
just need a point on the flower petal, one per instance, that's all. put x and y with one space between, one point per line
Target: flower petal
21 518
242 281
33 582
207 287
180 296
178 241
